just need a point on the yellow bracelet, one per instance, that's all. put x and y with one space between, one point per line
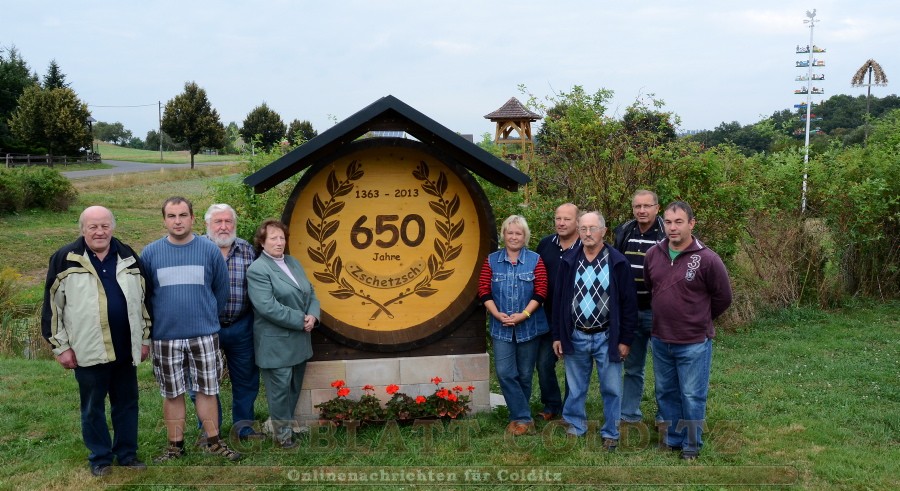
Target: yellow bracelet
527 314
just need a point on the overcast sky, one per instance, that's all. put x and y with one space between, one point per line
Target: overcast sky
710 61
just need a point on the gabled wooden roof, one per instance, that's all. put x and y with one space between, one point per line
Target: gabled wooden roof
512 110
388 113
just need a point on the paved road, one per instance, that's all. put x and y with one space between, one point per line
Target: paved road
123 167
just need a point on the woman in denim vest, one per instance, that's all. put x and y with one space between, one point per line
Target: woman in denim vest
512 286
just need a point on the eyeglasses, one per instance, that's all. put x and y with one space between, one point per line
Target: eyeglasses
593 229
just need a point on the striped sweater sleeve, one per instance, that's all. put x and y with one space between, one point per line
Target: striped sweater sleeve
540 282
484 281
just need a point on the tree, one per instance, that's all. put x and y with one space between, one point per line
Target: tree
232 135
55 78
134 142
15 77
300 132
114 133
52 119
152 142
190 117
265 124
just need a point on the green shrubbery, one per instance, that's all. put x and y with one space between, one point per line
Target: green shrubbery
36 187
253 208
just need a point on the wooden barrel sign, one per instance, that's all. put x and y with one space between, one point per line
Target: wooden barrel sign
392 234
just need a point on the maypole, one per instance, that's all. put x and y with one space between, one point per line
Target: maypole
811 50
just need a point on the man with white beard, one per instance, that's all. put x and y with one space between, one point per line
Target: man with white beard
236 335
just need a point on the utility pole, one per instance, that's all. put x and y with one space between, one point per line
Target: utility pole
160 130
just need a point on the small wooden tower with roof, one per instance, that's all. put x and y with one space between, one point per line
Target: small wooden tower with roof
514 117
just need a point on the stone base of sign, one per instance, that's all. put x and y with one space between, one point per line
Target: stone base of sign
412 374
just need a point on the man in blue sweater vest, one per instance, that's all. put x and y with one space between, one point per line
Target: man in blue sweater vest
189 283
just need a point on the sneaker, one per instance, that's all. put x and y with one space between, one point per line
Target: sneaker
689 456
201 440
171 453
221 448
135 464
101 470
610 445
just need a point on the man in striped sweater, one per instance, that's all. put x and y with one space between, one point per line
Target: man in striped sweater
189 283
633 239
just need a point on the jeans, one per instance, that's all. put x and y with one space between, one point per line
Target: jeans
546 370
589 349
633 387
236 342
682 384
118 380
514 363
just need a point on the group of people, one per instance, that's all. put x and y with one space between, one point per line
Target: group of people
189 299
587 303
185 301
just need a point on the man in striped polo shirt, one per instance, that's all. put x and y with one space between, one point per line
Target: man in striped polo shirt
633 239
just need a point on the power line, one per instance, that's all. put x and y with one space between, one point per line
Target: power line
139 105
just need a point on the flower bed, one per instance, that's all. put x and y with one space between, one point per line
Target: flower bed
444 402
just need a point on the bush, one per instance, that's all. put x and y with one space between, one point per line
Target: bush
48 189
253 208
12 196
36 187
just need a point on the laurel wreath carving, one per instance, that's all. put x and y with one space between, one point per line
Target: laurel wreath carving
325 249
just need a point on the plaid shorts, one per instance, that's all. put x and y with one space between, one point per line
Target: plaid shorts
194 361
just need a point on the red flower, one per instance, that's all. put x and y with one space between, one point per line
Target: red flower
470 388
451 397
442 393
420 399
343 391
391 389
436 380
457 389
368 387
337 384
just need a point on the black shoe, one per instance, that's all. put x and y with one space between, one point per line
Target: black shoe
689 456
286 444
135 464
101 470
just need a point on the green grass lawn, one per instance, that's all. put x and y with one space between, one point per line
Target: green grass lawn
114 152
803 400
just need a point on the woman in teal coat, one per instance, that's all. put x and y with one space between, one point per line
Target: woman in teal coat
286 310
